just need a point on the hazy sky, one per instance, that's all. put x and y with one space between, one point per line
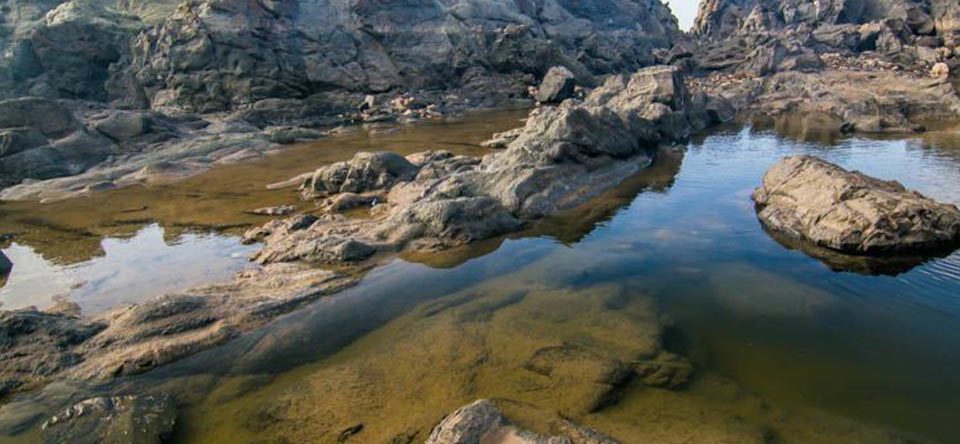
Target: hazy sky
685 10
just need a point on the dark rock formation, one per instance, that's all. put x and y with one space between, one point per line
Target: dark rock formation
810 199
143 419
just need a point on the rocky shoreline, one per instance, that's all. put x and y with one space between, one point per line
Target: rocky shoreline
161 104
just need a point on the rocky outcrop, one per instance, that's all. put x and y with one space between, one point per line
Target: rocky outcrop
841 100
797 58
225 54
141 419
562 157
811 199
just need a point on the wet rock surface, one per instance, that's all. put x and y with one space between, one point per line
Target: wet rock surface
811 199
141 419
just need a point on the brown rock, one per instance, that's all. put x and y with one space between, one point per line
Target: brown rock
808 198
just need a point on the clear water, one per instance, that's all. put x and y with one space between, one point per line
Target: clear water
787 348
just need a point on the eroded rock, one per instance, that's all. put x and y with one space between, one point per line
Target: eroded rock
811 199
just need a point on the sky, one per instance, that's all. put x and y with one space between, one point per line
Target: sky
685 10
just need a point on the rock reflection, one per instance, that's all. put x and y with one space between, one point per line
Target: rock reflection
864 265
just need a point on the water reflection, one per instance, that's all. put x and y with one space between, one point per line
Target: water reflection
787 349
151 262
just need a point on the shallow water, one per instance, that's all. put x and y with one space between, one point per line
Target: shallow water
787 348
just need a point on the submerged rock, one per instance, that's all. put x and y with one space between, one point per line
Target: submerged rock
143 419
482 422
811 199
558 85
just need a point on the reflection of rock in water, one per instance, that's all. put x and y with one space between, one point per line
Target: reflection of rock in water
573 225
865 265
570 226
5 267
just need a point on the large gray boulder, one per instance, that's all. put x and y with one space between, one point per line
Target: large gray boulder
140 419
808 198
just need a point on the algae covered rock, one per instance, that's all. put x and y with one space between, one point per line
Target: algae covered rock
811 199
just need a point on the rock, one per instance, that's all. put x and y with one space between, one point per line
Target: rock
483 422
501 140
365 172
941 70
811 199
468 424
43 115
666 370
141 419
217 55
5 265
558 85
562 157
286 136
124 125
36 344
282 210
17 140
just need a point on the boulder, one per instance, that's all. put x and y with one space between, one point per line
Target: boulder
558 85
811 199
124 125
139 419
